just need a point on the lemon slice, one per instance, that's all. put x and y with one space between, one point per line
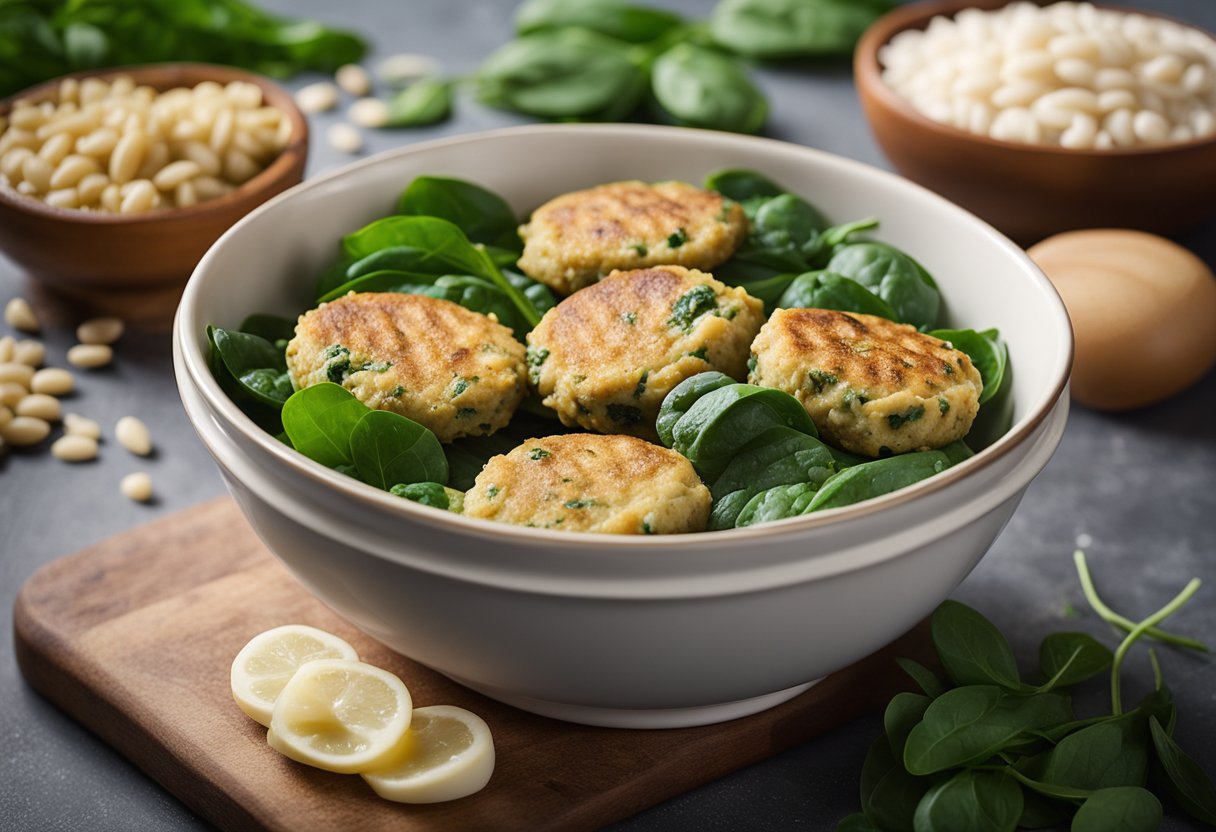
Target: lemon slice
270 659
340 715
447 753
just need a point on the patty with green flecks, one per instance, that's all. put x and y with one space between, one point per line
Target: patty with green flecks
605 357
459 373
575 239
872 386
585 482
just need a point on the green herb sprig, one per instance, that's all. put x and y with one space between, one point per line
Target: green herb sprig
995 753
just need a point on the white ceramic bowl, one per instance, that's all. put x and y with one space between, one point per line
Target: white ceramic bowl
626 631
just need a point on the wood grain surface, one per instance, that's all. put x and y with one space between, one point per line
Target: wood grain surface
134 638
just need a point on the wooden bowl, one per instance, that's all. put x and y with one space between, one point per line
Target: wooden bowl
86 253
1031 191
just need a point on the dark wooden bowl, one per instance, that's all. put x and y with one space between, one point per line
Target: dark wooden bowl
1029 191
83 253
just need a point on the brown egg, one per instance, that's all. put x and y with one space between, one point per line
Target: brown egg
1143 313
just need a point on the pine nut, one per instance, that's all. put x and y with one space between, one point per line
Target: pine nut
203 156
25 430
91 187
368 112
14 373
6 415
100 331
8 348
40 406
74 448
54 381
12 392
128 156
133 435
90 356
57 148
63 198
353 79
141 198
155 159
20 315
175 173
101 141
11 162
401 69
30 353
238 167
137 487
344 138
317 98
77 425
37 171
184 195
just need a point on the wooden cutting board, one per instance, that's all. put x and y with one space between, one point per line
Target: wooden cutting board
134 638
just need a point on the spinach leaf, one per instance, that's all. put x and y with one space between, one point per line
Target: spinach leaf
426 101
334 275
888 793
271 327
623 21
1039 812
266 416
1187 782
1118 809
467 456
778 456
256 364
973 651
893 276
967 725
483 215
776 503
428 493
385 280
971 801
388 449
726 509
683 396
701 87
957 451
793 28
925 678
903 713
787 223
319 421
567 73
1070 658
1110 753
877 477
825 290
742 185
538 294
987 352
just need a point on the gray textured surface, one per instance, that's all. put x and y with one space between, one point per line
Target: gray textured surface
1140 488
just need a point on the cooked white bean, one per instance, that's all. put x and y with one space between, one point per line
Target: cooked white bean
29 352
1075 71
1150 127
63 198
344 138
221 130
73 448
175 173
20 315
184 195
208 187
317 98
137 487
11 162
93 89
72 169
111 198
90 356
100 142
156 157
56 148
8 348
77 425
133 435
353 79
40 406
12 392
140 198
25 430
90 188
1119 125
128 156
54 381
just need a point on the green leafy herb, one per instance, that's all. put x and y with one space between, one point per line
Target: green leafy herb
256 364
538 453
692 305
623 21
987 352
702 87
1118 809
971 801
482 215
793 28
319 421
972 650
427 101
389 449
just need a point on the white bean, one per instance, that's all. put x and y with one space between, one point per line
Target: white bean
54 381
63 198
14 373
29 352
203 156
238 167
90 356
133 435
90 188
1150 127
72 169
23 431
353 79
1075 71
37 171
317 98
72 448
100 330
372 112
344 138
1119 125
137 487
40 406
77 425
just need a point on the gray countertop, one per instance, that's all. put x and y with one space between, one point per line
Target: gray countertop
1138 490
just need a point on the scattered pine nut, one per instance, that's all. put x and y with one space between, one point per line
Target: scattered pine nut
40 406
137 487
23 431
54 381
368 112
317 98
8 346
30 353
100 331
353 79
14 373
76 425
133 435
6 415
344 138
74 448
12 392
20 315
399 70
90 356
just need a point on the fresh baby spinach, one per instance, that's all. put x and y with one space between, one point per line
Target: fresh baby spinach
877 477
427 101
987 352
388 449
793 28
971 800
319 421
683 396
483 215
1070 658
825 290
1186 781
274 328
1118 809
776 503
971 649
256 364
778 456
623 21
701 87
893 276
742 185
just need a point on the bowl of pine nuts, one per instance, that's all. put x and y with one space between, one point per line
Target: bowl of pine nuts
1046 117
121 179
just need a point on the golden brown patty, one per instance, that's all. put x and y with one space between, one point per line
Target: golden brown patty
605 357
584 482
574 240
457 372
868 383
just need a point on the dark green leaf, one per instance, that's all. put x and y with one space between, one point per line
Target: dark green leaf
266 416
923 676
1109 753
85 46
741 185
971 801
824 290
877 477
1118 809
987 352
967 725
389 449
427 493
704 88
793 28
893 276
624 21
903 712
778 456
1188 783
973 651
895 798
483 215
1070 658
424 102
776 503
1040 812
683 396
271 327
257 364
319 421
787 223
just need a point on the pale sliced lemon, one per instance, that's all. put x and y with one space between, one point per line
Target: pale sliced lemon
270 659
340 715
448 753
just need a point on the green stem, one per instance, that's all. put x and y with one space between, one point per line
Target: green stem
1048 789
515 294
1158 677
1114 619
1141 629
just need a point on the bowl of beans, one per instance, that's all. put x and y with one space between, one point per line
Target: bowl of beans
1048 118
121 179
